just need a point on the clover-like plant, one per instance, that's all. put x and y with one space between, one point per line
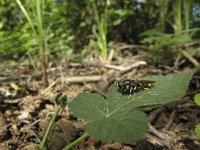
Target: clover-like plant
120 117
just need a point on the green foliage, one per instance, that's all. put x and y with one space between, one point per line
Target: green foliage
14 38
119 117
173 29
120 127
71 26
197 131
164 44
117 16
197 99
101 23
83 29
159 40
197 127
177 20
174 14
38 31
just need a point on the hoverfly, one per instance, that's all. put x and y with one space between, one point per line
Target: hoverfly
130 86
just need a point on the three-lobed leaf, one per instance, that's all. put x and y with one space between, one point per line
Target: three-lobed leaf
117 118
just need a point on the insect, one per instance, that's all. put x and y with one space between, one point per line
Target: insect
130 86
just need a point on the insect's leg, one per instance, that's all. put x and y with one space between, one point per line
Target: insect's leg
135 87
131 91
141 86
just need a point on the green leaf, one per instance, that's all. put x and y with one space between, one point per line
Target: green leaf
167 89
197 99
118 118
197 130
119 127
88 106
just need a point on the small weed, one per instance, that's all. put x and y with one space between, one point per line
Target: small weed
38 32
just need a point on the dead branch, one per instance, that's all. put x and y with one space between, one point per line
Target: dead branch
123 46
49 87
124 69
172 116
189 57
157 137
81 79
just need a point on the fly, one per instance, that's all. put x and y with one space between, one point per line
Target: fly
130 86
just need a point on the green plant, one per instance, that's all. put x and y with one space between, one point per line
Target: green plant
163 40
165 45
187 10
177 12
174 13
101 33
38 31
120 117
61 101
14 37
197 127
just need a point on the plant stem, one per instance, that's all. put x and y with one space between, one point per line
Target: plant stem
42 144
101 22
177 17
187 10
39 5
84 136
163 14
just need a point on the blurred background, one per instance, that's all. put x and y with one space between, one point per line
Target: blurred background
73 29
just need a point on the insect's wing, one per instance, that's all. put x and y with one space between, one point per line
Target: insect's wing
146 83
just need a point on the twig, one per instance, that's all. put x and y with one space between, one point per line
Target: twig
189 57
155 113
4 79
49 87
110 56
192 43
123 69
171 120
122 46
192 138
80 79
95 89
162 138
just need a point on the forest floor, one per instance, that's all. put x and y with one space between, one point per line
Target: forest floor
26 106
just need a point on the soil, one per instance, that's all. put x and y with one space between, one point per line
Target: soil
26 105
